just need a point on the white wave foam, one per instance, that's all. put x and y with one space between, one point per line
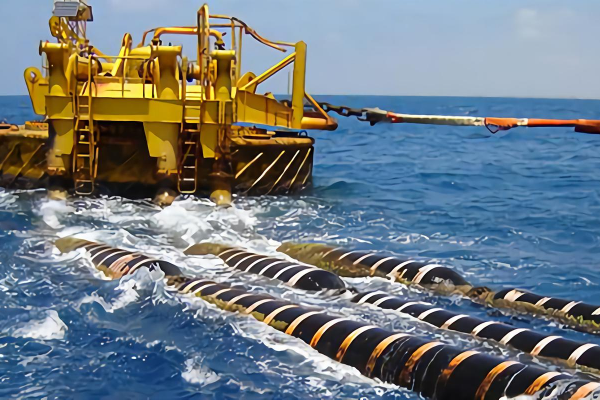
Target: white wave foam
178 219
48 328
195 220
128 296
128 287
198 374
321 365
51 210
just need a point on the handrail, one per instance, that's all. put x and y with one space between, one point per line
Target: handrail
270 72
186 30
203 24
122 78
175 30
267 42
238 24
90 116
271 43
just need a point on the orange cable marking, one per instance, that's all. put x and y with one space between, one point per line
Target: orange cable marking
380 349
349 339
315 340
540 382
585 390
271 316
290 329
491 376
412 361
453 364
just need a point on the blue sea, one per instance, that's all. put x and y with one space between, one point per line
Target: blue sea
520 208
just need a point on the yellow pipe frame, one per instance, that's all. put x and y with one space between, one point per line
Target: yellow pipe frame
121 62
298 85
58 56
270 72
166 71
223 82
185 30
176 30
37 86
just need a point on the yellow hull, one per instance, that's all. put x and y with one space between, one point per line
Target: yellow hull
273 165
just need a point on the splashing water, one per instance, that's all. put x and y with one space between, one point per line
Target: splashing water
521 210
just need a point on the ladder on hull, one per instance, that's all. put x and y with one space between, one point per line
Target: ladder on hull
187 179
85 151
189 149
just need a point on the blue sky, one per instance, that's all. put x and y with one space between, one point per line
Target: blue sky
521 48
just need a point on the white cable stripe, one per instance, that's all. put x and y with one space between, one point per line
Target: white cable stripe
282 270
399 277
540 346
254 263
383 300
237 298
189 285
510 335
398 267
244 259
235 255
111 255
378 263
423 271
424 314
542 301
269 318
201 288
220 292
580 351
482 326
331 251
265 269
227 251
250 309
362 258
121 260
294 280
406 305
368 296
347 254
101 252
139 264
569 306
452 320
513 295
93 246
178 286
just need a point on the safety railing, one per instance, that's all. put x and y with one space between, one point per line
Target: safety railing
122 76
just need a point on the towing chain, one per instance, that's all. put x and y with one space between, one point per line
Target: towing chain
344 111
371 115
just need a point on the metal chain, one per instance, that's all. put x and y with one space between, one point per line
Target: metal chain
362 114
344 111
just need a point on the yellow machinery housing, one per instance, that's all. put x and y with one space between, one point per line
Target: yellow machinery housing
150 118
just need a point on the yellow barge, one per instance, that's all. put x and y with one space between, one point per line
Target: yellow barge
149 118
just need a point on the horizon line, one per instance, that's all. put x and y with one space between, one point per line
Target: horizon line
415 95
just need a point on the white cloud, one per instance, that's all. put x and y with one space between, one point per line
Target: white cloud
529 23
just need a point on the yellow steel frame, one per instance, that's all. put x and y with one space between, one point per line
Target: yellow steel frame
221 97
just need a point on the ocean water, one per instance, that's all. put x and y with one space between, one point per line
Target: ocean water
515 209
